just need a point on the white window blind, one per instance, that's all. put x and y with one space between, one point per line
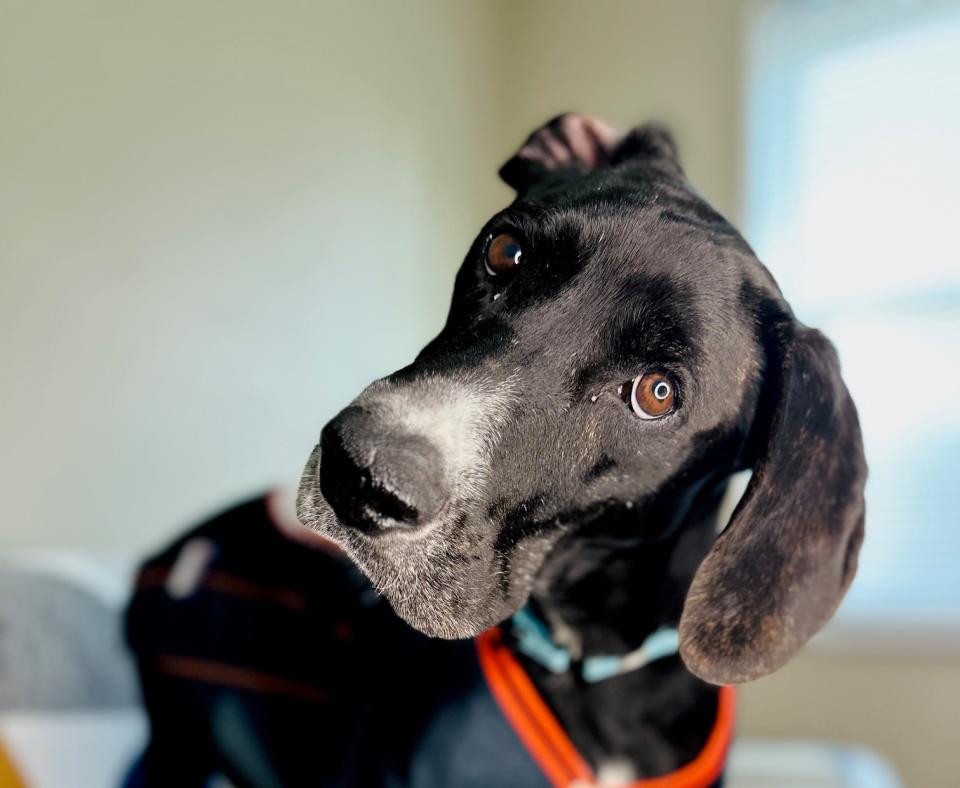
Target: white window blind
853 201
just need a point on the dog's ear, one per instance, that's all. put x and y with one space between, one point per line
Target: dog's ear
776 574
578 144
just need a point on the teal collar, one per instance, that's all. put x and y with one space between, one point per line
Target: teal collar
533 639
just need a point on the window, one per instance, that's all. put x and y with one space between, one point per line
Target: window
853 201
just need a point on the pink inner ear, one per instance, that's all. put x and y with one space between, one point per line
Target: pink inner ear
566 140
591 140
557 147
536 153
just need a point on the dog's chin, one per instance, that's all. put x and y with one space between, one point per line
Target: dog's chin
445 583
435 619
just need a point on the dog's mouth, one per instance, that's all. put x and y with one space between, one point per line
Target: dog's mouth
445 578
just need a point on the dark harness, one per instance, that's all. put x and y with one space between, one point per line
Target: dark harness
275 664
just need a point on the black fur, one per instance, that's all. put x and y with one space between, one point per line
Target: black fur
596 517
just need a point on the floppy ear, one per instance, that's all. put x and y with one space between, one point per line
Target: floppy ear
777 573
579 144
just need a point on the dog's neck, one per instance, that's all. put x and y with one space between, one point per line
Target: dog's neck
605 597
600 597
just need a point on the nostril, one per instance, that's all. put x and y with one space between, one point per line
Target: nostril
395 484
381 502
344 482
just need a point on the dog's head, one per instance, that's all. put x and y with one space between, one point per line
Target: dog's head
613 352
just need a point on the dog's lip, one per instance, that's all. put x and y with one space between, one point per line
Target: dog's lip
368 522
380 535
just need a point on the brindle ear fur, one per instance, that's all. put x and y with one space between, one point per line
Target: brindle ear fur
579 144
776 574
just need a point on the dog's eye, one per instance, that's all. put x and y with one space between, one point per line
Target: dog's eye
652 395
503 253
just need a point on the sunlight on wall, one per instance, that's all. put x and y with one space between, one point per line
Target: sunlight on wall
852 202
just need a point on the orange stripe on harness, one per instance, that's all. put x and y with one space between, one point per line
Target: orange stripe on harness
533 723
551 748
214 672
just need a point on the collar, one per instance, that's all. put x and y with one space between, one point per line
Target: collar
533 639
553 751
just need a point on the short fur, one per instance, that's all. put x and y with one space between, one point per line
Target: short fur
541 486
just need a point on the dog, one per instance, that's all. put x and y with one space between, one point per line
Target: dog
536 495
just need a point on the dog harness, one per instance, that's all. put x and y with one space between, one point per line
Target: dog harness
275 664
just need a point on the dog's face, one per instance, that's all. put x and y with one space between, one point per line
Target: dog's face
613 351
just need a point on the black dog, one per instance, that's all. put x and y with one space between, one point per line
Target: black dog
613 353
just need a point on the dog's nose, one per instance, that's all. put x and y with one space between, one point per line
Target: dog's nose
379 479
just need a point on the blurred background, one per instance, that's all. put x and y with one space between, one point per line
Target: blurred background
218 221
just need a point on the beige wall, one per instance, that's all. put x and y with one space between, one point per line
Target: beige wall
217 225
903 707
677 61
218 222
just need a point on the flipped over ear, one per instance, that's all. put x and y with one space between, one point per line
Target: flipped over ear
777 573
579 144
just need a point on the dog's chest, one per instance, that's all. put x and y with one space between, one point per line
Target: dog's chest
649 722
611 723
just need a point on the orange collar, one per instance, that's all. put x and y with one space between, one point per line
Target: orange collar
551 748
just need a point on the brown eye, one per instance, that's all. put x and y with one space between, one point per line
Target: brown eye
503 253
653 395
